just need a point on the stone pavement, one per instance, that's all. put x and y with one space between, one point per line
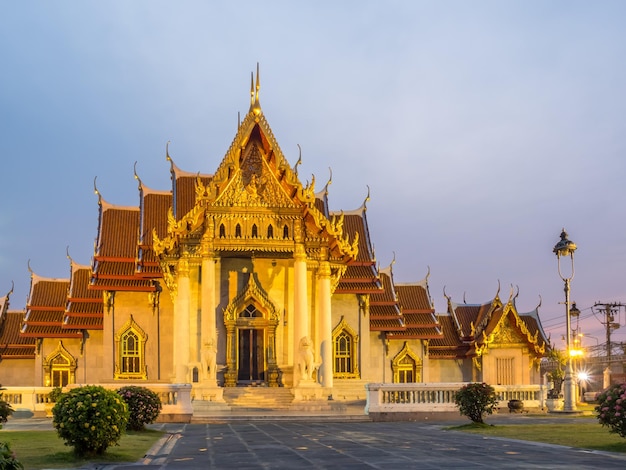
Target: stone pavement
316 443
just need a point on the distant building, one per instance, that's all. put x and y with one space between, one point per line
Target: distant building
247 277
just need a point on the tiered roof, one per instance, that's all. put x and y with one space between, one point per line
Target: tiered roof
385 312
84 308
469 329
45 309
12 344
115 258
418 311
361 274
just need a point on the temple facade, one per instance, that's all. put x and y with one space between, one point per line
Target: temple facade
247 277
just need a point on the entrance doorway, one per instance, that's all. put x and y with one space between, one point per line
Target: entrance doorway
251 355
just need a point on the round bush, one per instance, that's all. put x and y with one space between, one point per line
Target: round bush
144 406
7 458
90 419
476 400
611 409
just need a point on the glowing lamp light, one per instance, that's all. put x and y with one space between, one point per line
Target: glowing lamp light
575 352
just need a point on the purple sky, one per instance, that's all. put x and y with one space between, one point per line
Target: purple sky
482 129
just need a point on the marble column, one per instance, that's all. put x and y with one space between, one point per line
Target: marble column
326 331
181 323
208 336
301 320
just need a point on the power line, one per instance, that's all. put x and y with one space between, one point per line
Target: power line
609 310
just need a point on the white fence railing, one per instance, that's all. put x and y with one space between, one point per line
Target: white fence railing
437 397
175 399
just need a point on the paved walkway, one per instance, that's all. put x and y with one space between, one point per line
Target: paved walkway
323 444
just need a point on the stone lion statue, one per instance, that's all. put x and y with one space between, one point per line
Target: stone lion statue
306 358
209 353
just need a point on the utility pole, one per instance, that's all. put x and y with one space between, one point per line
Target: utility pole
609 310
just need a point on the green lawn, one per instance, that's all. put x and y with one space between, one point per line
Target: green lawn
585 433
44 449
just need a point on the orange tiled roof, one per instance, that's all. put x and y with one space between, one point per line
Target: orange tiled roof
45 309
417 311
354 222
385 313
359 279
414 298
115 259
84 308
12 344
449 345
184 189
154 208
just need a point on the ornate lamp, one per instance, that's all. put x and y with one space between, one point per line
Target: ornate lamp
563 249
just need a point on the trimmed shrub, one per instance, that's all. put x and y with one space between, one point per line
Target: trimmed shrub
5 410
144 406
611 409
7 458
475 400
55 394
90 419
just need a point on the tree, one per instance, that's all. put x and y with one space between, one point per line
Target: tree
476 400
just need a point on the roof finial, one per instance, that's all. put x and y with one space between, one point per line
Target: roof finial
136 175
255 106
299 162
330 179
95 190
67 254
367 198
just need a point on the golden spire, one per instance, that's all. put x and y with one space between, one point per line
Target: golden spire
255 106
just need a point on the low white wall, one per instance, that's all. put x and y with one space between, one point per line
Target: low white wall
175 399
439 397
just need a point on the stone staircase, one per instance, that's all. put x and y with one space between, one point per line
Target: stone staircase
259 403
258 398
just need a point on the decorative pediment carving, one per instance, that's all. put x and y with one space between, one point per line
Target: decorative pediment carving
254 185
252 293
507 333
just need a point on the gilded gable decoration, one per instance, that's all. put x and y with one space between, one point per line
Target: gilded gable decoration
406 366
254 293
59 367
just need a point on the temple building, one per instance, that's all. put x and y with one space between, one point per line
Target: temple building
247 277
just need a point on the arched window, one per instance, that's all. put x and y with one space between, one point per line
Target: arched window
407 366
130 355
250 312
222 231
285 231
255 233
270 231
345 352
238 231
131 346
59 368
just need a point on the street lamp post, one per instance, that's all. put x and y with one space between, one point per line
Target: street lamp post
563 249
